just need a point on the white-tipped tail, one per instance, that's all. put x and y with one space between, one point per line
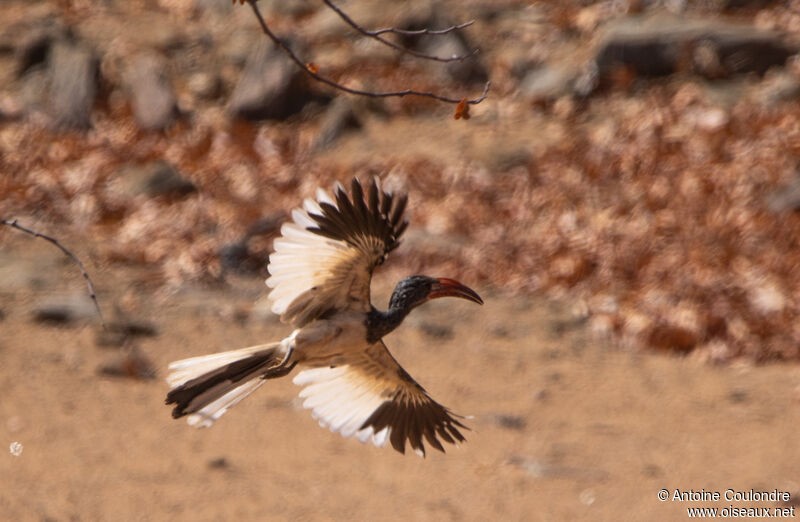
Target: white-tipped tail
207 415
205 387
188 369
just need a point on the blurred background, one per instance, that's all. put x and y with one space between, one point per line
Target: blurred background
626 200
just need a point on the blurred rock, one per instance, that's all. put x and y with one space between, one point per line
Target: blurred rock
266 225
435 330
548 83
153 100
270 86
738 396
565 325
34 89
73 84
456 43
135 328
132 364
340 118
31 42
110 339
785 198
157 178
660 44
587 80
219 463
779 87
500 331
467 71
237 257
509 422
66 309
117 333
204 85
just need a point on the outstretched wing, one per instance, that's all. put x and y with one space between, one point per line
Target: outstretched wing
369 395
324 259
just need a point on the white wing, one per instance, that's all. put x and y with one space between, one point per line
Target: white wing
369 395
324 258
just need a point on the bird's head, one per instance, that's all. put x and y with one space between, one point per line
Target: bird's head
415 290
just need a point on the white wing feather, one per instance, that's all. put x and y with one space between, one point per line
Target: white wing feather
301 259
342 400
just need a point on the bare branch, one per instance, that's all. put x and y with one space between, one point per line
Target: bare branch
312 71
377 36
13 224
422 32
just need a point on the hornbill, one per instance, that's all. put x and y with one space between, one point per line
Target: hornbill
320 274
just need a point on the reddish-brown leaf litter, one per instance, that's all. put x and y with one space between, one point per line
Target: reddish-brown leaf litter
661 203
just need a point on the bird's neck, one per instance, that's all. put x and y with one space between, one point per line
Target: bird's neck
380 323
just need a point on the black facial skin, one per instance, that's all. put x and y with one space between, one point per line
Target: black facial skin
408 294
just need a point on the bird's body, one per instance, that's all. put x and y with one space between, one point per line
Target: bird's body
320 276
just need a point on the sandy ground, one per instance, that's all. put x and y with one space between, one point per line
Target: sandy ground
564 427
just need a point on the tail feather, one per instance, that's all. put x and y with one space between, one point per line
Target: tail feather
206 416
205 387
187 369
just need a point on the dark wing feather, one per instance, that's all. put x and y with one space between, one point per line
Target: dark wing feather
368 394
361 226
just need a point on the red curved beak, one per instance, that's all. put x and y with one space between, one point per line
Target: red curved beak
451 288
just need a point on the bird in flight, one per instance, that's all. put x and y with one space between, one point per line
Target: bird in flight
320 273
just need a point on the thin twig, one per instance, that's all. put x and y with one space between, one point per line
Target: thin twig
308 70
421 32
377 36
13 224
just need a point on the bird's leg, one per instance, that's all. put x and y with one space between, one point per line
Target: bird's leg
279 370
288 345
286 357
283 368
